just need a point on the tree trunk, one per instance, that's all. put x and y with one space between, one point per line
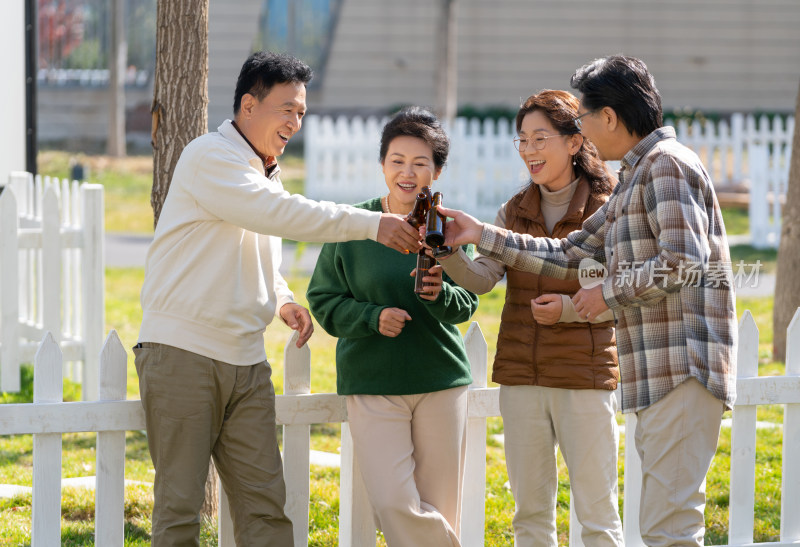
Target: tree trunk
211 503
118 61
180 114
447 64
787 282
180 91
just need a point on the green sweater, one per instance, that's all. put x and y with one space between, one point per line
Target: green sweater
352 283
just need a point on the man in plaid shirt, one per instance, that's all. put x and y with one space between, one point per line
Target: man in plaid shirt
669 284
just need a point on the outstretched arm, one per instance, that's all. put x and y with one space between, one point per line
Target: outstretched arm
558 258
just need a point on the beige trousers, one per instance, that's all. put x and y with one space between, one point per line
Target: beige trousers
676 438
410 450
536 422
196 407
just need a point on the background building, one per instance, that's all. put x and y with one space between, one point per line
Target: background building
370 56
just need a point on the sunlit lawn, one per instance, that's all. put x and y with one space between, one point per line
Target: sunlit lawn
123 313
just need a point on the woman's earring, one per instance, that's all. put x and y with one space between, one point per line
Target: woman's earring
573 161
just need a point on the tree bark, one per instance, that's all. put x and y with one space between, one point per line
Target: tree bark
211 503
180 114
180 91
118 60
447 64
787 281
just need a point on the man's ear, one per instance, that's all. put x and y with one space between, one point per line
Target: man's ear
610 118
247 104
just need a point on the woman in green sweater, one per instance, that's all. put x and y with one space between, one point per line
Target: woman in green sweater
400 359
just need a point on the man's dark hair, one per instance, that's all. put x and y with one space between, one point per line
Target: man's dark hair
624 84
264 69
415 121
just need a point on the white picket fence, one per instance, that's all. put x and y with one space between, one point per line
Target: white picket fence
484 169
47 418
51 275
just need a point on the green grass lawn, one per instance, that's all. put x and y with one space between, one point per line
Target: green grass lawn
123 313
127 188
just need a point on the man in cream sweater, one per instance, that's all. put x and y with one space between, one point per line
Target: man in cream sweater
211 287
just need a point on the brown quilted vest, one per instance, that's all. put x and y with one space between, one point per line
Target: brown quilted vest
564 355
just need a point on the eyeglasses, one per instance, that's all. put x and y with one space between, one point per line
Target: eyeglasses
577 120
538 143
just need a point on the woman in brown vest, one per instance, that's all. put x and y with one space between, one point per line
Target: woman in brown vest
557 372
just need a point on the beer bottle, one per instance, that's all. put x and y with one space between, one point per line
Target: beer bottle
417 218
417 215
434 228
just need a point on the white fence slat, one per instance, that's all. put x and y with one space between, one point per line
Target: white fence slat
9 287
225 529
67 297
76 249
743 441
110 484
474 491
297 440
93 286
47 388
790 479
51 263
356 523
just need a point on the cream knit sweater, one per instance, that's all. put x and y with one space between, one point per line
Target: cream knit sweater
212 283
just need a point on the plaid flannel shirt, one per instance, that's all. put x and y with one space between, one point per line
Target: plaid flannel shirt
669 280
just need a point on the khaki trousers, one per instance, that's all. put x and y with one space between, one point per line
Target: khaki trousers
536 422
676 438
196 407
410 450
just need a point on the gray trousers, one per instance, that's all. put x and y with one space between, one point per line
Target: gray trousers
195 408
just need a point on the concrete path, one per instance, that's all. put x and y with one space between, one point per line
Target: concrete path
130 251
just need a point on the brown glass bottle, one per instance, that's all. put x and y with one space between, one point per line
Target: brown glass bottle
434 226
417 218
417 215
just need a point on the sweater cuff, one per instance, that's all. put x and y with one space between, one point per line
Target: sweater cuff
374 318
375 222
281 301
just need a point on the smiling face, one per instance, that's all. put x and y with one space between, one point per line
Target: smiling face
550 167
272 121
407 168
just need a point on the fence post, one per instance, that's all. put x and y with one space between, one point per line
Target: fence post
9 293
790 480
759 207
474 494
110 473
47 388
225 523
93 287
51 263
312 151
743 441
297 440
737 146
356 523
